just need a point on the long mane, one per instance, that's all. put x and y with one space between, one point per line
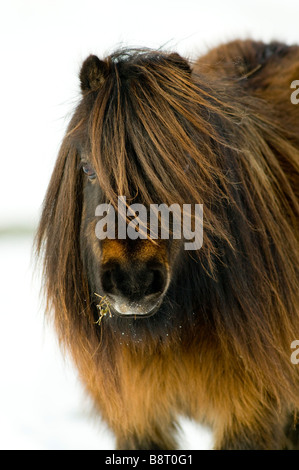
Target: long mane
157 131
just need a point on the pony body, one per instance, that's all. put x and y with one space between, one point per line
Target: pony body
205 334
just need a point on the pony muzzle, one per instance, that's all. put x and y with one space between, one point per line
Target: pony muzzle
135 292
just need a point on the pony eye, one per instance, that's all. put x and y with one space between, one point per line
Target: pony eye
89 171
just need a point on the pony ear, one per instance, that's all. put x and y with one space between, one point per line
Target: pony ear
93 73
180 62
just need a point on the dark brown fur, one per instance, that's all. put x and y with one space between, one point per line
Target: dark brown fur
224 134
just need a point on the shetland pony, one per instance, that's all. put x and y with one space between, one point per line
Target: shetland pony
157 331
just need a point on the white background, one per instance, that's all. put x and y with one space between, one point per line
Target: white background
43 43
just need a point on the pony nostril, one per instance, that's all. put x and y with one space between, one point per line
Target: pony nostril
108 280
156 281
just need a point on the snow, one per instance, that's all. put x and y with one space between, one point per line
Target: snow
42 403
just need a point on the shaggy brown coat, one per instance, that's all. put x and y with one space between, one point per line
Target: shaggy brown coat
222 132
